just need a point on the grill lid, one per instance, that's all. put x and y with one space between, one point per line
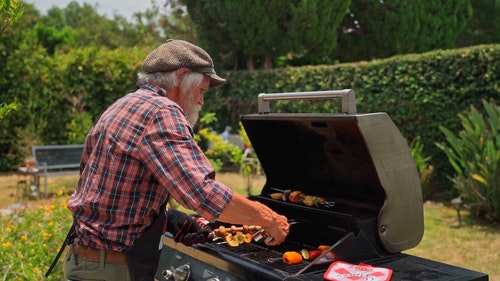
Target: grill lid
358 158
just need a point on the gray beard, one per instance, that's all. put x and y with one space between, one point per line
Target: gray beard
193 114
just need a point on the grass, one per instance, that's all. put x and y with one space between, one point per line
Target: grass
32 235
474 245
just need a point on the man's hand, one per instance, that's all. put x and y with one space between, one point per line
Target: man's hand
279 230
187 229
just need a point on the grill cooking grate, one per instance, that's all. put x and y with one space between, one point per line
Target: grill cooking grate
264 256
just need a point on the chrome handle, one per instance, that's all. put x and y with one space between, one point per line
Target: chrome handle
348 97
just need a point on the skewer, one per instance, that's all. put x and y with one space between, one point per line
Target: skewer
326 204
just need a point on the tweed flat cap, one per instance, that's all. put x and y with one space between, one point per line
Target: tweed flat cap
175 54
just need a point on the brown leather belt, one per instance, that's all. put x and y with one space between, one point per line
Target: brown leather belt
91 254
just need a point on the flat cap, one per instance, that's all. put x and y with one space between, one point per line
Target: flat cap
175 54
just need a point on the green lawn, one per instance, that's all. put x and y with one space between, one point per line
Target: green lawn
31 236
473 245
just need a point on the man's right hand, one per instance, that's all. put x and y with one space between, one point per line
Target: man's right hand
241 210
278 231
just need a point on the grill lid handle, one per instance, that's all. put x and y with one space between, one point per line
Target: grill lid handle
348 97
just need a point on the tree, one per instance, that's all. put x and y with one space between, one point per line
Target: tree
10 12
176 22
315 25
79 26
261 30
484 28
379 29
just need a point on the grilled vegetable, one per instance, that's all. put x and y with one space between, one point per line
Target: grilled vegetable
305 254
277 195
294 196
323 248
308 200
292 257
314 254
318 201
232 241
248 238
285 194
240 237
223 231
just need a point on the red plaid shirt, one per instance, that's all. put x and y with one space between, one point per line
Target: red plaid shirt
140 150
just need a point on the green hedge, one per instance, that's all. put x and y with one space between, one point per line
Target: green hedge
419 92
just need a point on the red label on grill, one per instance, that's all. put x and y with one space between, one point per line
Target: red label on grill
343 271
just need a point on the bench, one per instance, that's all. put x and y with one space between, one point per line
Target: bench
64 159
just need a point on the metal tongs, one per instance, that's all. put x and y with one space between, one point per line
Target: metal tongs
326 204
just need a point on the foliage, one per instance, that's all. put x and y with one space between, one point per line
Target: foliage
250 164
30 240
6 108
380 29
51 38
10 12
176 22
484 28
78 128
315 26
305 28
5 161
220 153
424 168
474 153
77 26
98 76
419 92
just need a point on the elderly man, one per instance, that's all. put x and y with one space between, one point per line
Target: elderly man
139 153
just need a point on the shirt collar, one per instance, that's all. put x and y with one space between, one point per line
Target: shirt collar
154 88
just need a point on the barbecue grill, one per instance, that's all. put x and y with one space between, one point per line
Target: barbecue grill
362 168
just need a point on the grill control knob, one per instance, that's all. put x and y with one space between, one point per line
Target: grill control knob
180 273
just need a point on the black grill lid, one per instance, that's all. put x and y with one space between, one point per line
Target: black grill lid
321 155
359 158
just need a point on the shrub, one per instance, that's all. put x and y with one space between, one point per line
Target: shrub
6 108
425 170
475 155
220 153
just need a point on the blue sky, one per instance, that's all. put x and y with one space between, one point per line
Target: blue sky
108 7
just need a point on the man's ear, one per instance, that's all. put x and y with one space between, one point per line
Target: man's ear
181 71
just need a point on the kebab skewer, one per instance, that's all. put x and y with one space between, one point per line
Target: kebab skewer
296 196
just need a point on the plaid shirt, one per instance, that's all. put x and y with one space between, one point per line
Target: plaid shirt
140 150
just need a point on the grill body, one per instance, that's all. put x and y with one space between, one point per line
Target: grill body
359 162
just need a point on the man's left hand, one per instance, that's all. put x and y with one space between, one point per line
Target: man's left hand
187 229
